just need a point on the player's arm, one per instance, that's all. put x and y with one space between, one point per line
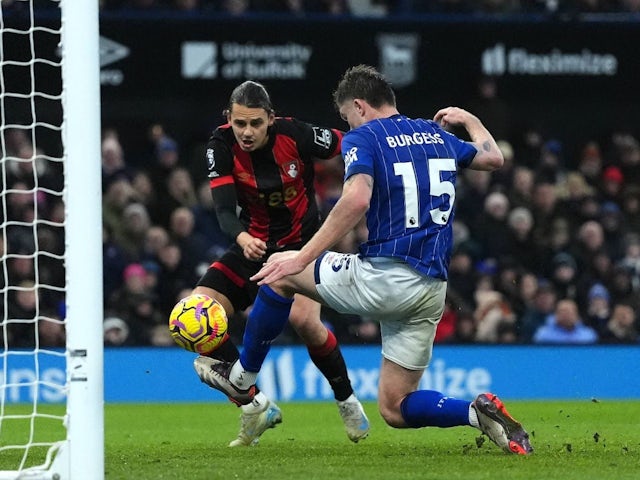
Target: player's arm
225 199
344 216
488 156
225 203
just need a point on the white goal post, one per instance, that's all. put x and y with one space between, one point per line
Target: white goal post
79 452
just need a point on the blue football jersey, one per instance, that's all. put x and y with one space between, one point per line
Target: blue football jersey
413 163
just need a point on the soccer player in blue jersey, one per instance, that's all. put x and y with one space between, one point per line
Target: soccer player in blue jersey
400 173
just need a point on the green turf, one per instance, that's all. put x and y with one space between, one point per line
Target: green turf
572 440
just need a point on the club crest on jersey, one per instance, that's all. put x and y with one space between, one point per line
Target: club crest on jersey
322 137
291 169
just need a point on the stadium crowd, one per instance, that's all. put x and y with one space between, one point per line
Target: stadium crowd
546 250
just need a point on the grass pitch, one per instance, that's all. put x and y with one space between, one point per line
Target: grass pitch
572 440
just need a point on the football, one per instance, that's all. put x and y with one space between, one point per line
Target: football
198 324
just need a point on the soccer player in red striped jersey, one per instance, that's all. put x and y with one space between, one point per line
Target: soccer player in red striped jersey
261 166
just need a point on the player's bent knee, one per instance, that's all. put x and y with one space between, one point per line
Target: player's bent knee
392 416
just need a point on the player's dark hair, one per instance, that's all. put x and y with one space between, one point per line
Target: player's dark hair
365 82
252 95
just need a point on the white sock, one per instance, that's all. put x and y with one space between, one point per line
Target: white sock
257 405
473 417
240 377
351 399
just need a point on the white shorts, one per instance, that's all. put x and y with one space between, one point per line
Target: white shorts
407 304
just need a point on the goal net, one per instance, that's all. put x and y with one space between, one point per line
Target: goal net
51 371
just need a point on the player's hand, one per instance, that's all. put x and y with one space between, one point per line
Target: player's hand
277 266
254 249
452 116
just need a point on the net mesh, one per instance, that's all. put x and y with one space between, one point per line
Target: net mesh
32 277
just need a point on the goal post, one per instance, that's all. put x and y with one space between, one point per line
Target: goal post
83 203
25 97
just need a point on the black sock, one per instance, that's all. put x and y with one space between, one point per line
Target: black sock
227 352
330 362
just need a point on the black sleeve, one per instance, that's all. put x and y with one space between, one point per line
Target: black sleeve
318 142
225 201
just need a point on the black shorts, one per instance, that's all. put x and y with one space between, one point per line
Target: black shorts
230 275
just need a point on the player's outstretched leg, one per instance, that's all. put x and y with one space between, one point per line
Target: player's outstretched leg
215 373
258 412
496 422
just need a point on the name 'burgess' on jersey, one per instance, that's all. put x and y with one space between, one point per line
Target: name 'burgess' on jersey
418 138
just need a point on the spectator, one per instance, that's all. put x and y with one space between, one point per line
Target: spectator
535 315
590 241
492 311
599 270
155 240
621 287
590 163
473 190
612 184
462 276
564 275
521 192
116 332
136 305
180 193
194 246
173 276
491 229
545 209
206 222
630 261
572 192
598 308
115 199
145 193
135 223
113 164
630 204
20 324
527 287
565 326
465 328
114 260
613 229
521 246
622 326
550 165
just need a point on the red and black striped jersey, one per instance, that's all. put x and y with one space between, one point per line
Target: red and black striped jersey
274 185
